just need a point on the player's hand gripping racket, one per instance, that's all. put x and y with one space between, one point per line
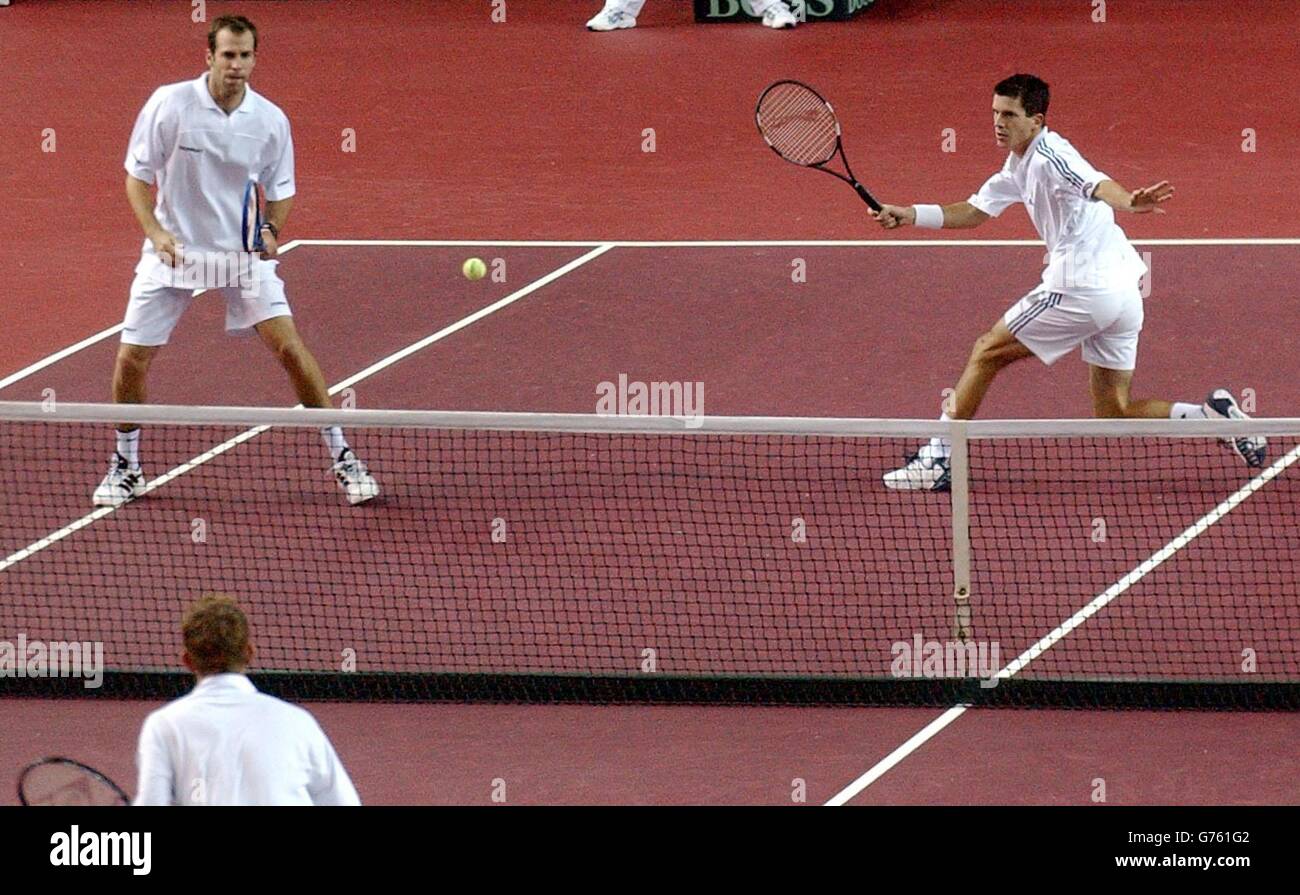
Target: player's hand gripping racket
254 211
62 781
801 127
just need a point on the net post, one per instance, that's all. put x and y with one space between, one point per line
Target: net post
959 469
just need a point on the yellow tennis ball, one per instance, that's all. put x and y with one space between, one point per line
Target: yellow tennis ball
474 269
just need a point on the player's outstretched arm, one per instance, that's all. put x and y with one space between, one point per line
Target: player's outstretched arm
958 216
1145 200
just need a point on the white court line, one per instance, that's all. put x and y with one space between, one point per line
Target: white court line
59 355
56 536
807 243
882 767
1088 611
91 340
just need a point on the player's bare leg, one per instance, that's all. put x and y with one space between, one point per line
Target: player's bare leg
1110 397
125 479
129 373
993 352
281 336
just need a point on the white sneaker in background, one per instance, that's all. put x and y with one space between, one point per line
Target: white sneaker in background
779 16
611 20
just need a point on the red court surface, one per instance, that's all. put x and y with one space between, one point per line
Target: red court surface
878 330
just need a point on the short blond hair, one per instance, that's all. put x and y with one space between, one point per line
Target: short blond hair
215 633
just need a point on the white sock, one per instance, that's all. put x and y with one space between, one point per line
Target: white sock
128 445
335 443
1187 412
938 447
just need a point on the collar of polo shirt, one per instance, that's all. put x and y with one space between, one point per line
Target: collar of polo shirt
201 85
229 680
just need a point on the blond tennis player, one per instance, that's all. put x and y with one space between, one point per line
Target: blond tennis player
227 744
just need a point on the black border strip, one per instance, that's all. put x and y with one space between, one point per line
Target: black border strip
671 689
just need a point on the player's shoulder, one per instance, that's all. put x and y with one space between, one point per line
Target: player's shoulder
174 96
267 109
1054 144
286 713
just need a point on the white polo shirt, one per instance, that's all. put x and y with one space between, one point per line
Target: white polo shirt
1087 251
201 160
227 744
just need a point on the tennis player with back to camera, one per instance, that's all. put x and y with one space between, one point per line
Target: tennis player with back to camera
1089 295
201 142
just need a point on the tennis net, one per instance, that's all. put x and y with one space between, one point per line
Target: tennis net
554 557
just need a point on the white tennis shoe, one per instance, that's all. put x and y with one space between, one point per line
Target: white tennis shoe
122 484
922 473
1251 448
353 477
778 15
611 20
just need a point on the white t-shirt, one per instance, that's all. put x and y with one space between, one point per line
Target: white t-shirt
1087 252
201 160
227 744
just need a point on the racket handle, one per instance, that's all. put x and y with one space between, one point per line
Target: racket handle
866 196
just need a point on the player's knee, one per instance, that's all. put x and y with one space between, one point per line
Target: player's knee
986 352
1110 407
133 362
291 353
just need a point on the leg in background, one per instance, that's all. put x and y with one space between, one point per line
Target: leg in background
1110 397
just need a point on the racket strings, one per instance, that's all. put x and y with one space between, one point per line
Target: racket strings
64 784
798 124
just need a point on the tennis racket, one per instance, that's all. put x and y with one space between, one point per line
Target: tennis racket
62 781
254 210
801 127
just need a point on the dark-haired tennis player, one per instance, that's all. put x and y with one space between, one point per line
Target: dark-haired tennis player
1089 295
199 143
227 744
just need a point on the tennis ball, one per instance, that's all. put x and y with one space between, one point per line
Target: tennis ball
474 269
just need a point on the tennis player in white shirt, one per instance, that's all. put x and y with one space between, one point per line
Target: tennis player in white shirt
1089 295
199 143
226 743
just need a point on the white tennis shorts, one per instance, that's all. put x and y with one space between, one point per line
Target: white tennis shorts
153 310
1106 324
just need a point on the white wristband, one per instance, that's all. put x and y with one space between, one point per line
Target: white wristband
929 217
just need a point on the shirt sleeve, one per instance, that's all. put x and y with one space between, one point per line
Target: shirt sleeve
1069 171
997 194
330 784
156 784
146 153
277 177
